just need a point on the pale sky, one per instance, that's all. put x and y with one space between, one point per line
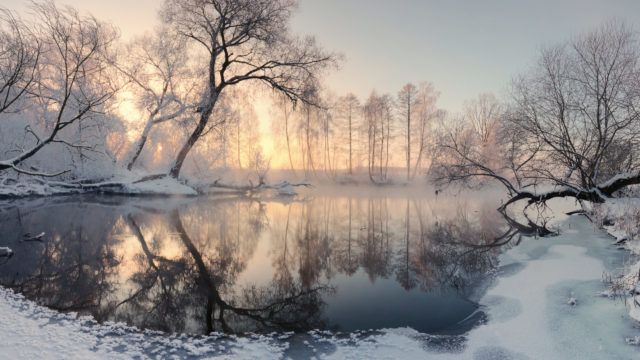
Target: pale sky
464 47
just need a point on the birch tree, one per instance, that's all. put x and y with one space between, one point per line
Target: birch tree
573 124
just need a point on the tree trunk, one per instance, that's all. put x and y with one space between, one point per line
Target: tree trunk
350 144
286 132
238 141
408 137
186 148
386 163
137 149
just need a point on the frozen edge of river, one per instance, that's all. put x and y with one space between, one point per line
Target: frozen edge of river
625 215
529 317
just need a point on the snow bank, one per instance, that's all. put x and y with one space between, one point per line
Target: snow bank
122 185
139 184
164 186
31 189
621 219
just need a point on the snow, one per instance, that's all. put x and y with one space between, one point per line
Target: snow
616 178
624 214
287 190
127 184
30 189
165 186
528 317
30 331
5 252
132 183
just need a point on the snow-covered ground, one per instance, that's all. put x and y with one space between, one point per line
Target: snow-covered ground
544 304
621 219
126 184
29 331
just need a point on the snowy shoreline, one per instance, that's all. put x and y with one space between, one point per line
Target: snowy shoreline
159 185
130 186
620 218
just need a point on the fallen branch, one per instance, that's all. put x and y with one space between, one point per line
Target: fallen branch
37 173
283 188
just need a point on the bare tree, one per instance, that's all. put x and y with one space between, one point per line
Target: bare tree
73 82
378 118
243 40
350 106
19 56
387 116
287 111
483 114
568 121
370 122
309 111
327 116
406 105
427 114
157 68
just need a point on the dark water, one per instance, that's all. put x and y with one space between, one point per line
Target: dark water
347 261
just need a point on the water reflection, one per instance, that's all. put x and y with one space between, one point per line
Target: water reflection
335 262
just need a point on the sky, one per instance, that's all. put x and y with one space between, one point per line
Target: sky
464 47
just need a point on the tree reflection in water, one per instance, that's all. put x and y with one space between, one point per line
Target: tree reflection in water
199 266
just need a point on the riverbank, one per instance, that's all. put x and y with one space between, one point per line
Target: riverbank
158 185
621 219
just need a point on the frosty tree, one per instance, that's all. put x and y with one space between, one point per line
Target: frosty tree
19 56
59 62
572 126
159 76
242 41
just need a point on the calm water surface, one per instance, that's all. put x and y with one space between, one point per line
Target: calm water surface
356 259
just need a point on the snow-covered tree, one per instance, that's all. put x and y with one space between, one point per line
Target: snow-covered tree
157 68
243 41
573 124
68 82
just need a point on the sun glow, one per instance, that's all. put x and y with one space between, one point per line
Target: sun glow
129 113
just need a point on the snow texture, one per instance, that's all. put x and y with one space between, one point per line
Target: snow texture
129 185
621 219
